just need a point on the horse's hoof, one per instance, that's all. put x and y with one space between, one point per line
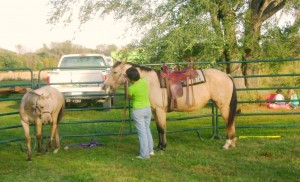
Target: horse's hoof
55 150
229 147
229 144
160 148
233 142
225 147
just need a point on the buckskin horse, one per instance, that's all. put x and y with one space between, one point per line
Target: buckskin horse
42 106
218 86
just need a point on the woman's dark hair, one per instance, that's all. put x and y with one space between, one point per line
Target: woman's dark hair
279 91
133 74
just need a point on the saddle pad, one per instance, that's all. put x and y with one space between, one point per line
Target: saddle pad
198 80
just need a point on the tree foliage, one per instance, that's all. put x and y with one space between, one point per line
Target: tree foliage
47 56
9 60
175 30
106 49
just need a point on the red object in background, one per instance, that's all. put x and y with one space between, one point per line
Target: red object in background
270 103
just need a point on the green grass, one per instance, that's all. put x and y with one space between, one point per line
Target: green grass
186 158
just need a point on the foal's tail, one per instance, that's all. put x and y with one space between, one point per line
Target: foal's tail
233 106
61 113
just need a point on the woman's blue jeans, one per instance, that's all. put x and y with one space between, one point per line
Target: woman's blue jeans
142 118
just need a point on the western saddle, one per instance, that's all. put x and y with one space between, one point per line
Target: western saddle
174 82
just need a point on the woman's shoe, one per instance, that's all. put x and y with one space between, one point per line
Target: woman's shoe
140 157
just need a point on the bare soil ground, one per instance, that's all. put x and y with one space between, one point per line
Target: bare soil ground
21 75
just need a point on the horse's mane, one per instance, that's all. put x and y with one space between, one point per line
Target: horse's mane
143 68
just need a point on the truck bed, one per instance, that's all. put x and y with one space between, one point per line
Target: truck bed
80 77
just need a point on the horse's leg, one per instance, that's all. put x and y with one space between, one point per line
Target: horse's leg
53 131
39 126
28 139
160 119
57 142
230 128
159 137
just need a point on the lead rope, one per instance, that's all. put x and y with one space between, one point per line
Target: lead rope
124 113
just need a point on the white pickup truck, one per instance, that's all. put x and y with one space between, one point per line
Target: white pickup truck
80 77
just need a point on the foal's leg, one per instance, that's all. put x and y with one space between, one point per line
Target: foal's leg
57 142
230 129
39 126
28 139
160 119
53 132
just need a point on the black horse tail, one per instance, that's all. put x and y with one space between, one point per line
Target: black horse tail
233 106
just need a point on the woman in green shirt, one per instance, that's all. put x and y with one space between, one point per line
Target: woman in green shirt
294 99
138 91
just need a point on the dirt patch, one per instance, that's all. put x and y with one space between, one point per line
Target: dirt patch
13 89
21 75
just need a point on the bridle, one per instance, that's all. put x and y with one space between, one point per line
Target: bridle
40 113
121 74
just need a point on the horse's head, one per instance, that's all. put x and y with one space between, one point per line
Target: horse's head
44 108
117 76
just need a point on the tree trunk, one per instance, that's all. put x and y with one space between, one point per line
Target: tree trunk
258 12
231 52
252 50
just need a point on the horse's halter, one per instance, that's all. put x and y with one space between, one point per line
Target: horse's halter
121 74
40 112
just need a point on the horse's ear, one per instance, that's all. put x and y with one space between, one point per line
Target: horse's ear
33 92
28 90
42 96
122 64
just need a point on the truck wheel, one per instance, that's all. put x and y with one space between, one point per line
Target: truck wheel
82 104
107 104
68 104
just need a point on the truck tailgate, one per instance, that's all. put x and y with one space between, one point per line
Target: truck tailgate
77 82
82 77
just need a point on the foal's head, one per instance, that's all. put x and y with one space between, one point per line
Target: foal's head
44 108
